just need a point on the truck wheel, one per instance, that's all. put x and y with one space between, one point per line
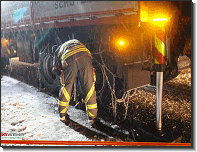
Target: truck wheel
3 64
171 71
46 77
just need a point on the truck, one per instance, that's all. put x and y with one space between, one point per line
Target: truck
121 35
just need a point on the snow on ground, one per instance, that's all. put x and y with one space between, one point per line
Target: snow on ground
25 110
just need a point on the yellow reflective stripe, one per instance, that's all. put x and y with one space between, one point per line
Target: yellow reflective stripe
90 114
75 49
78 47
156 62
70 51
9 51
63 103
92 106
89 93
95 78
160 45
64 110
64 57
62 48
66 94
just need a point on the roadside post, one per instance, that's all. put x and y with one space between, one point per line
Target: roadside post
159 55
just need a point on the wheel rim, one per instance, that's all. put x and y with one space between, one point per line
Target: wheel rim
47 66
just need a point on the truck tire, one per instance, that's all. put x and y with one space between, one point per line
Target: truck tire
46 77
3 63
171 71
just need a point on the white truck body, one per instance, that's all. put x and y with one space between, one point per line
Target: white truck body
20 12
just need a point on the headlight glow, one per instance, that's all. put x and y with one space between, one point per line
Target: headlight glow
121 42
160 19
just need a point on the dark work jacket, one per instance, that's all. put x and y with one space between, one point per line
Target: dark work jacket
68 52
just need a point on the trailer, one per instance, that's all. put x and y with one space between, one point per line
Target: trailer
130 41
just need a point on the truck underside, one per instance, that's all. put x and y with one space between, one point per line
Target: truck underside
122 49
117 69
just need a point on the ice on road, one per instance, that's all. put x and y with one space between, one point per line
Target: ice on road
26 110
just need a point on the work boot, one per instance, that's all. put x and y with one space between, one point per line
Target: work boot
94 122
65 118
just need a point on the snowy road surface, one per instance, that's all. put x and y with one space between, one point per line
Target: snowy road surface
34 114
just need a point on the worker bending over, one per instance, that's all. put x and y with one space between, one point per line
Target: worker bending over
73 60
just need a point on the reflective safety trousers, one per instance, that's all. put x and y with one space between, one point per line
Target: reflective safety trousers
83 71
